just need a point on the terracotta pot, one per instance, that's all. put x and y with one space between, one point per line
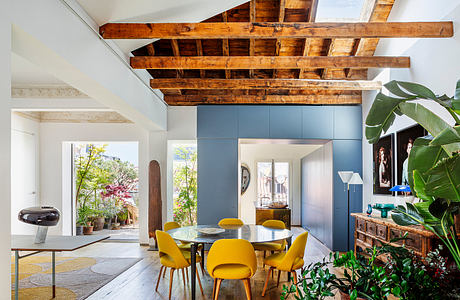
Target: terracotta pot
87 230
115 226
345 296
99 223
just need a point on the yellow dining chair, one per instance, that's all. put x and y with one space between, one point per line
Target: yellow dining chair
230 222
172 257
272 246
287 261
231 259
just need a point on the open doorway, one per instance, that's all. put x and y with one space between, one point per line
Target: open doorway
105 194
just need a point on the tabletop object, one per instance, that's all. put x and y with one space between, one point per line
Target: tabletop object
53 244
251 233
42 216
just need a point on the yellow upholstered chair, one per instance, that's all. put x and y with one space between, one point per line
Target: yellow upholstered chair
172 257
231 259
287 261
272 246
230 222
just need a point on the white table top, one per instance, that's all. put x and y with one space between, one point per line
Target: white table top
54 242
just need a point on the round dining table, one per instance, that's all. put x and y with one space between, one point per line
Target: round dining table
251 233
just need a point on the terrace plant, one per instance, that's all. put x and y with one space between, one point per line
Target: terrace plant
434 161
185 183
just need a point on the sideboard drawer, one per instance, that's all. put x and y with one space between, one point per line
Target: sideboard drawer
361 224
414 241
382 231
371 228
361 237
395 233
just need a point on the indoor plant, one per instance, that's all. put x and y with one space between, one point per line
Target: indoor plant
434 162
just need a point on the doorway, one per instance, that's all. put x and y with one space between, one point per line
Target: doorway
105 184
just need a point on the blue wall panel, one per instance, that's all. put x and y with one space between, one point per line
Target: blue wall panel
219 122
253 121
347 156
347 122
317 122
285 122
217 180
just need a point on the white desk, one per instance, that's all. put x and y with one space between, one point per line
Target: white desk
53 244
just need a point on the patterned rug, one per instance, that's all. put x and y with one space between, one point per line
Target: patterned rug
76 277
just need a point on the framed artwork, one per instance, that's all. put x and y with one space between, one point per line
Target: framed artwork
383 165
404 141
245 178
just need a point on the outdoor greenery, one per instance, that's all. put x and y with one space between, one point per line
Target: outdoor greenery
434 161
185 186
404 276
102 185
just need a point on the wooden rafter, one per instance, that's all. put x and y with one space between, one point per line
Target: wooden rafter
267 62
197 83
307 42
199 52
252 18
264 99
281 15
176 52
253 30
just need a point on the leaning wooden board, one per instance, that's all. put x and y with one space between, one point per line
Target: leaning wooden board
155 207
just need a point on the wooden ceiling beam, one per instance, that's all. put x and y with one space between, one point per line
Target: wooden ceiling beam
265 99
281 14
209 84
267 62
199 52
254 30
252 19
307 42
225 48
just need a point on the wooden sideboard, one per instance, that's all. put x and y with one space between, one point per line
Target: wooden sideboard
372 231
282 214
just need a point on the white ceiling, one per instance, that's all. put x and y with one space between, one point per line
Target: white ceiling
25 73
153 11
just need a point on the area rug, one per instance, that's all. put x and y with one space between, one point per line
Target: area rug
76 277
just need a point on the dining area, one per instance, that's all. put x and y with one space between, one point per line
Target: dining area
256 257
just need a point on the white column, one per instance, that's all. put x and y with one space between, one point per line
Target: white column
5 150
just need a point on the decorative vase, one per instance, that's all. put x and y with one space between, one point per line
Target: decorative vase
87 230
99 223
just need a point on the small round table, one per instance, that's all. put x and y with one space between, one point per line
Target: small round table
251 233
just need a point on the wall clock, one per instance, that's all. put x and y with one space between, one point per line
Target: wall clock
245 178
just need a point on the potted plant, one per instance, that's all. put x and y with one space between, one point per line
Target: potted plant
434 161
123 216
88 228
83 214
99 221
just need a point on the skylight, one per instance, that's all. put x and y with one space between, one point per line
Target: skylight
339 10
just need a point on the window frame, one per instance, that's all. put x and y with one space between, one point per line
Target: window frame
279 160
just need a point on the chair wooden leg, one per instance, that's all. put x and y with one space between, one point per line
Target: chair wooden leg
199 282
164 273
158 280
265 254
171 274
247 288
183 277
186 273
294 275
266 280
278 281
214 288
219 281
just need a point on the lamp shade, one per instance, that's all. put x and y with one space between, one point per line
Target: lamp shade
400 188
345 176
42 216
355 179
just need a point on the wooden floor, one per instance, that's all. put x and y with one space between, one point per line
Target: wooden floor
138 282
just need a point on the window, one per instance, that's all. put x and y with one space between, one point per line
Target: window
272 182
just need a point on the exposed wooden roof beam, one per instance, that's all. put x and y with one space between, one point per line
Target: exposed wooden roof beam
252 19
199 52
196 83
307 42
267 62
176 52
225 49
281 15
265 99
276 30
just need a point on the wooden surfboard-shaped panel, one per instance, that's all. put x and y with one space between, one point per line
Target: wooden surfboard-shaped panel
155 207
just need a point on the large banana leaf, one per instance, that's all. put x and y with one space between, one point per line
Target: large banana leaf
422 158
444 179
447 136
419 187
404 217
456 101
381 116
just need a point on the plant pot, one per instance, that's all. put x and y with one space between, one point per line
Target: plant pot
344 296
106 225
122 222
115 226
87 230
79 230
99 223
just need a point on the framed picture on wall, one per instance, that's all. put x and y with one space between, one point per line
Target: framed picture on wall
404 141
383 165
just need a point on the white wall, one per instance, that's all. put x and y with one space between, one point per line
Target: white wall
250 154
52 137
25 135
434 63
5 148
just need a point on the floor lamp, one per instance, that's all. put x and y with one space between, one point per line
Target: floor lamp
349 178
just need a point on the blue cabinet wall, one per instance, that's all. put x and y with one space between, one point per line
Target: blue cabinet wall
220 126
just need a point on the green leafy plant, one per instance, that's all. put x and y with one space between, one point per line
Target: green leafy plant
434 161
185 184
